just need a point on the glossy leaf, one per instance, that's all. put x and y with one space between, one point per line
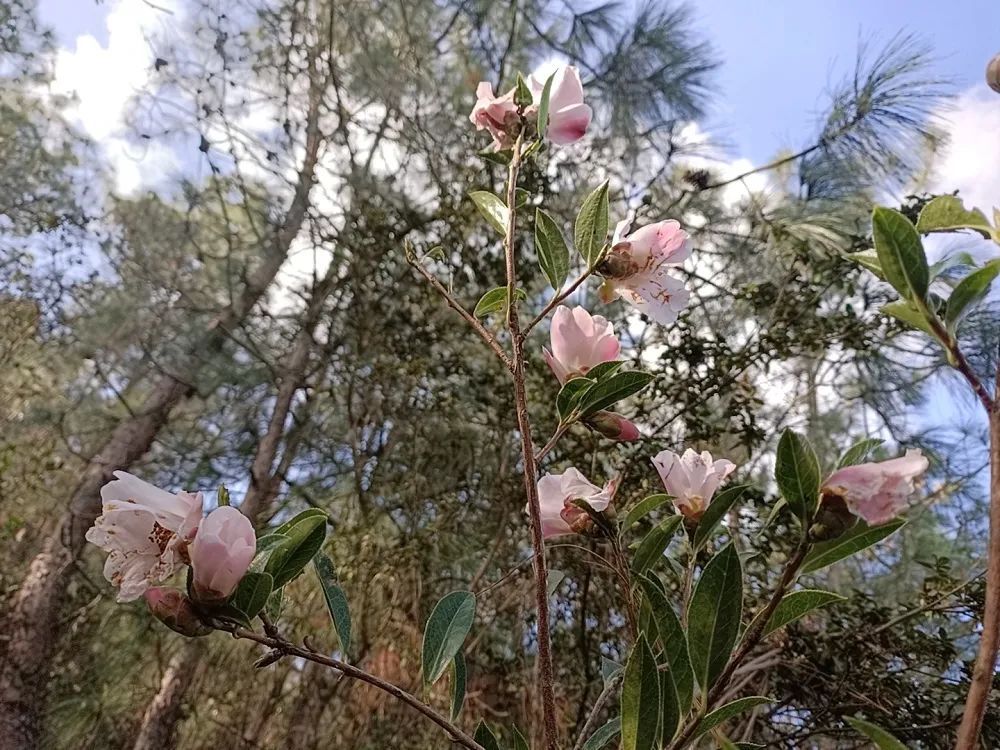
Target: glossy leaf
287 526
252 593
868 259
543 106
591 229
643 508
445 632
653 544
458 682
570 394
728 711
968 292
640 699
485 737
721 504
946 213
672 640
797 604
883 740
492 208
613 389
859 452
905 312
714 615
495 300
336 600
553 254
900 253
860 537
796 470
304 539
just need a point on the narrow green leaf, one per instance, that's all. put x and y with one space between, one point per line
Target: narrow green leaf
495 300
882 739
492 208
796 470
273 607
653 544
553 255
497 157
604 370
609 669
672 641
797 604
714 615
619 386
522 94
446 630
591 229
336 600
265 546
905 312
458 681
519 742
946 213
858 453
969 291
860 537
543 107
640 699
570 395
715 512
304 540
728 711
642 508
287 526
251 595
900 253
604 735
670 711
485 737
868 259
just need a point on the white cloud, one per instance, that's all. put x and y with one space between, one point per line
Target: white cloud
971 161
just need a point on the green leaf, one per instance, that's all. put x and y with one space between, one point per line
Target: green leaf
642 508
609 669
604 735
797 604
543 107
905 312
265 547
796 470
273 607
222 495
522 94
969 291
485 737
868 259
714 513
552 581
673 641
492 208
604 370
670 711
304 540
553 255
497 157
612 390
728 711
336 600
287 526
446 630
591 229
640 699
882 739
946 213
653 544
519 742
860 537
714 615
458 681
858 453
251 595
900 252
570 395
495 300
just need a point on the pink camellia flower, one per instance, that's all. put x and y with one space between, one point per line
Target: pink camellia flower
579 342
221 553
556 493
174 609
145 531
691 479
569 117
877 491
497 114
637 269
613 426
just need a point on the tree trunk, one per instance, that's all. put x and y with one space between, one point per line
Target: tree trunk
31 619
164 711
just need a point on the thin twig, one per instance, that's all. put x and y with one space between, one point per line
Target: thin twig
287 648
595 712
544 451
561 297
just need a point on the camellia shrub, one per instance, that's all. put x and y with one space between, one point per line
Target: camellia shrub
676 688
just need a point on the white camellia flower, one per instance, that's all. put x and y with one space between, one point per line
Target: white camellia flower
145 531
691 479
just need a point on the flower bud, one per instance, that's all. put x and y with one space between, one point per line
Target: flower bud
174 609
613 426
993 74
832 519
221 553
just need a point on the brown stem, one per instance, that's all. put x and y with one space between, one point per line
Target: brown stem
989 644
287 648
545 449
545 673
957 359
557 299
750 640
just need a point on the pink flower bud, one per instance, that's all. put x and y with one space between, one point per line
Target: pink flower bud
221 553
174 609
637 269
877 491
691 479
579 342
613 426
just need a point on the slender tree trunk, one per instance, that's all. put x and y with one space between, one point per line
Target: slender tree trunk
164 711
31 623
